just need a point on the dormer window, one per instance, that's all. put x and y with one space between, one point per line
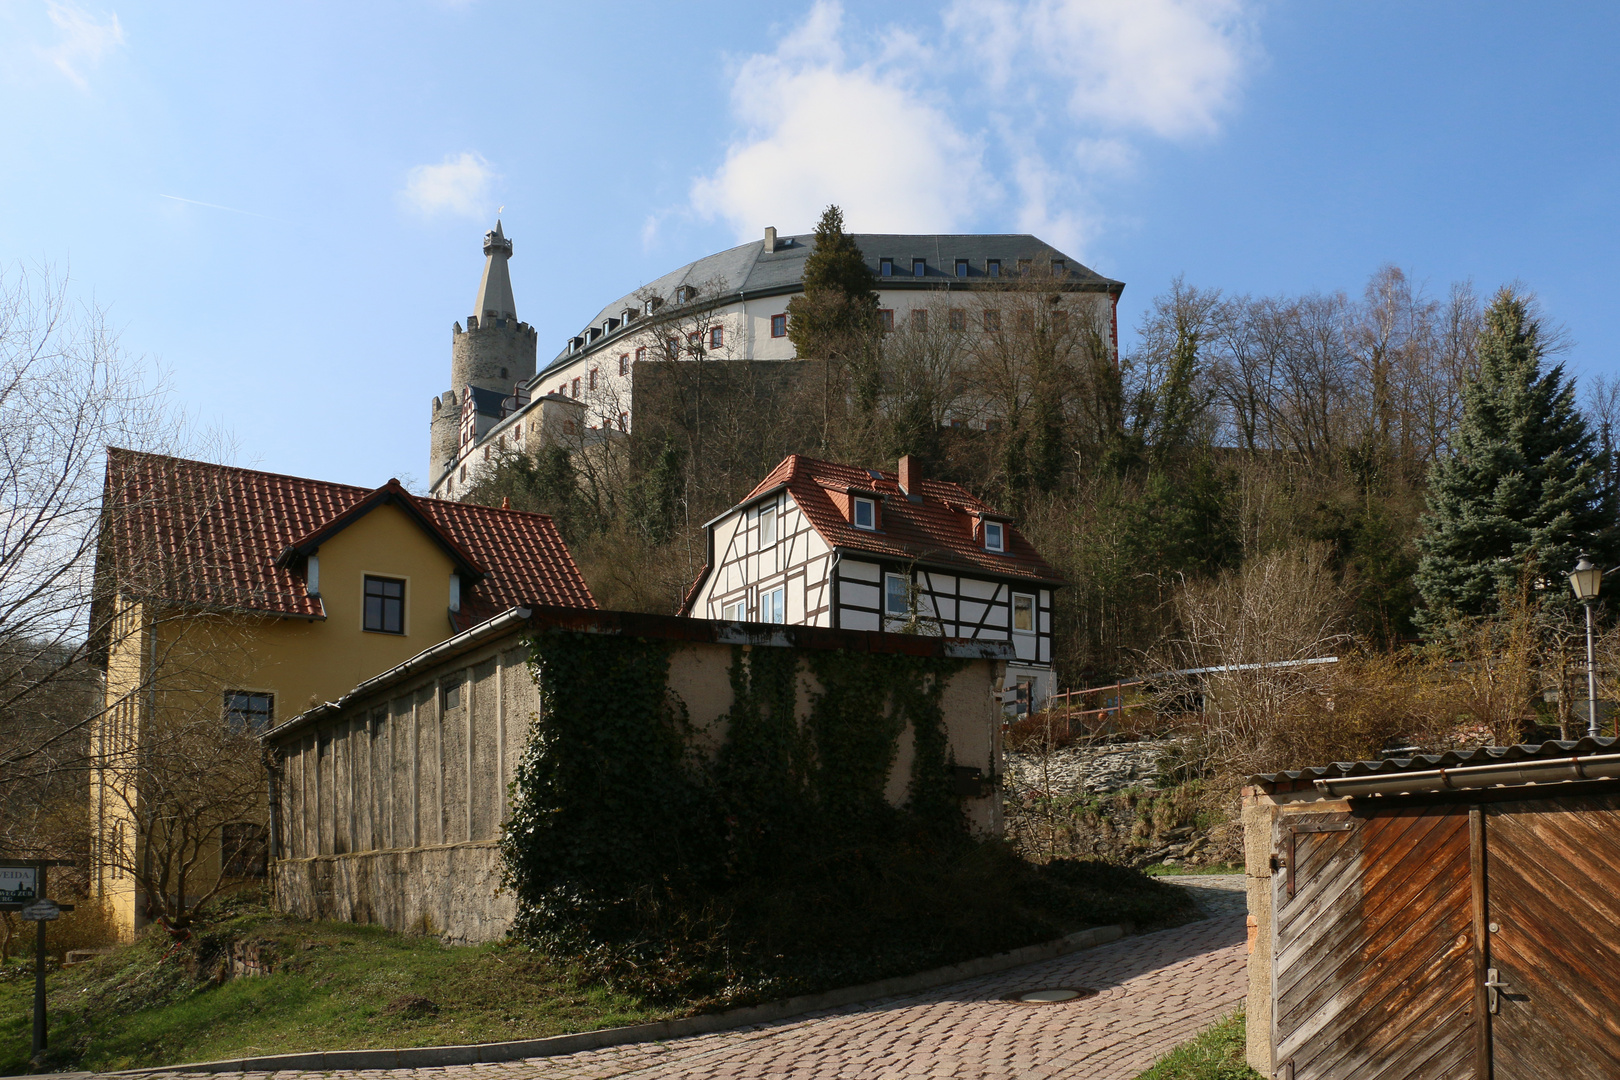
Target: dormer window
992 267
863 513
1059 268
995 536
886 268
919 267
684 294
961 268
650 305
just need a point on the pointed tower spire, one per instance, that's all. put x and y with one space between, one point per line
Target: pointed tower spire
495 288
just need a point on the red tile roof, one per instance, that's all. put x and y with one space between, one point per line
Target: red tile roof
935 530
194 533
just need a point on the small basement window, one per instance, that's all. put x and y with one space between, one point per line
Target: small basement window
995 538
385 605
863 513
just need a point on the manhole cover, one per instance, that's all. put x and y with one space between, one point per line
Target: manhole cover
1051 995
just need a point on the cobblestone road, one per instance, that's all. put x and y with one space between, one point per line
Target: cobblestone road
1155 991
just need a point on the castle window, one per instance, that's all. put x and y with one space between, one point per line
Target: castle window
1059 268
886 320
992 267
778 326
1060 321
717 335
1025 321
961 268
593 378
886 267
919 319
1024 267
624 421
248 711
641 354
694 342
685 293
464 474
863 513
624 364
919 267
958 319
385 605
992 320
649 305
575 388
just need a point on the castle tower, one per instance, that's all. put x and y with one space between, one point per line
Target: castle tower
495 352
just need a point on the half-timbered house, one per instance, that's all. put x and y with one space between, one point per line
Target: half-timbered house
821 544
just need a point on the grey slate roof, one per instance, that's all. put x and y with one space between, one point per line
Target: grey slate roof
1484 755
487 402
748 269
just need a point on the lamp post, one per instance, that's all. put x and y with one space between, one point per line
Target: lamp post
1586 580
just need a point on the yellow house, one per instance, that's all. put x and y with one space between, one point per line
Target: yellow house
233 598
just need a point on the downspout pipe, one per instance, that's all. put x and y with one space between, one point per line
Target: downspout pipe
1496 774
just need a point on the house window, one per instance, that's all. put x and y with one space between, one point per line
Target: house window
958 320
641 354
452 694
575 388
245 849
886 268
248 711
772 605
767 526
896 595
778 326
886 320
992 267
994 536
736 612
992 320
919 320
385 605
865 513
919 267
1058 268
1023 614
593 378
961 268
717 336
624 364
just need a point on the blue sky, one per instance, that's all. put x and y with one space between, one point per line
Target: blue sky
355 153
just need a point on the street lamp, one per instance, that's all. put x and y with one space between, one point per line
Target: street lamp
1586 580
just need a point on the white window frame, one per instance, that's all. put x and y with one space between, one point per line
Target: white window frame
767 526
773 605
856 502
736 611
1034 614
1000 536
889 581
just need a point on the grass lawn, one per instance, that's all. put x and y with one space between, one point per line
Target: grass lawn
1161 869
336 986
1216 1054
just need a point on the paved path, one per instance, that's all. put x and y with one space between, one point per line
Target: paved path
1156 991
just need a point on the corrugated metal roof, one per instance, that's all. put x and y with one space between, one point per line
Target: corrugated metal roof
1484 755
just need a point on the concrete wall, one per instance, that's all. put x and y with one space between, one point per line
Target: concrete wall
392 802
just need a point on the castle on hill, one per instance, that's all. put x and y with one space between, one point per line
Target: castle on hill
731 305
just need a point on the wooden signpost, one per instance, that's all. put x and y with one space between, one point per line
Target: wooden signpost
22 889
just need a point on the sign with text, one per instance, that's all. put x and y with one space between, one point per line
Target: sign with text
41 911
19 884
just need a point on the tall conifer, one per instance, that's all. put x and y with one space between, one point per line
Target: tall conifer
1521 493
837 312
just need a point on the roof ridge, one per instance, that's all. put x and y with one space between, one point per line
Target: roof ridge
240 469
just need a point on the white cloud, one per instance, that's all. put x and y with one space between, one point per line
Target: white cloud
457 185
821 130
85 40
1003 113
1169 67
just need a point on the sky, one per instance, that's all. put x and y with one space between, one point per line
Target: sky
282 205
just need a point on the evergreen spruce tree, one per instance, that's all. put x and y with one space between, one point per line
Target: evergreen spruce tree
837 313
1520 495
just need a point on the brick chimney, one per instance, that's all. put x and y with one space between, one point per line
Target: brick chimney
910 476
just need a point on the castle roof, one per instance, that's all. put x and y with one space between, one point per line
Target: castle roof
931 526
213 536
752 271
495 287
